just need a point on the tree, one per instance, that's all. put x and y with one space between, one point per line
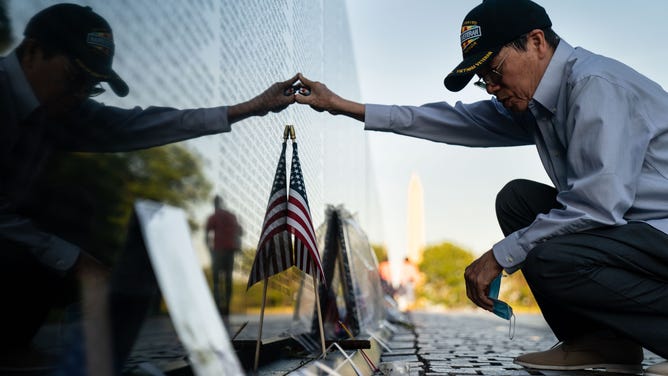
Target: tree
101 189
443 268
380 251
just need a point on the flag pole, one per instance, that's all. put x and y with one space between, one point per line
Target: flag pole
317 302
259 332
314 274
286 133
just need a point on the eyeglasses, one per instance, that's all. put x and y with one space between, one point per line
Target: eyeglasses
96 90
82 82
493 77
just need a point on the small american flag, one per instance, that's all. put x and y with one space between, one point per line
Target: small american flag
307 257
274 250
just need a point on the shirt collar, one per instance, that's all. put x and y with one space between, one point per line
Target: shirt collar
26 101
547 91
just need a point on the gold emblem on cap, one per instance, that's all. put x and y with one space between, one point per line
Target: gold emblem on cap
476 65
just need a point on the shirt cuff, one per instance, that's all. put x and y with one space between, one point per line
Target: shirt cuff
60 255
216 118
509 253
376 117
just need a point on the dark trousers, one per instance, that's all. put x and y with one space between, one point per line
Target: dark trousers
608 279
222 261
29 291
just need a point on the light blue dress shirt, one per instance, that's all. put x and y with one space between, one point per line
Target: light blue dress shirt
600 128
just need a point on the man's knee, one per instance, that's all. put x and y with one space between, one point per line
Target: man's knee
511 206
546 263
555 267
534 266
508 195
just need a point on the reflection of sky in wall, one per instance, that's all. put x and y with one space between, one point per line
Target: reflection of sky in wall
205 53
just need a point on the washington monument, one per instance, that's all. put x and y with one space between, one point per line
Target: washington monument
415 220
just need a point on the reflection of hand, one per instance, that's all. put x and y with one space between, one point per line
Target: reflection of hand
478 276
90 270
274 99
271 100
94 277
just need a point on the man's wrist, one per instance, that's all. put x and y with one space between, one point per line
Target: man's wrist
241 111
509 254
341 106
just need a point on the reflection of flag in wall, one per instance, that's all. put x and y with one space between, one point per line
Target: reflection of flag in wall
306 256
274 250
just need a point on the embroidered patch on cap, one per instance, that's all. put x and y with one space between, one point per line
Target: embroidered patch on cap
470 34
476 65
102 41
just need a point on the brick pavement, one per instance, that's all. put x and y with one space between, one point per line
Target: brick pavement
472 343
441 343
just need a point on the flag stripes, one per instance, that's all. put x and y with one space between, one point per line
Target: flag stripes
274 221
300 223
269 262
274 250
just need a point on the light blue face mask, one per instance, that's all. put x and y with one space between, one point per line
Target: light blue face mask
501 308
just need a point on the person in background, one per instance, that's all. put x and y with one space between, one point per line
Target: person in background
223 239
385 273
409 278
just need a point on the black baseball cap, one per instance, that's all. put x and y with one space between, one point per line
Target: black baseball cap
487 28
82 34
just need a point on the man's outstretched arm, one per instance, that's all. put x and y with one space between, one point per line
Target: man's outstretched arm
271 100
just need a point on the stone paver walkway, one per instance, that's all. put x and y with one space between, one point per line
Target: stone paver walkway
473 343
441 343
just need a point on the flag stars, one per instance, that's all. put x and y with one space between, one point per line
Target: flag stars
296 176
